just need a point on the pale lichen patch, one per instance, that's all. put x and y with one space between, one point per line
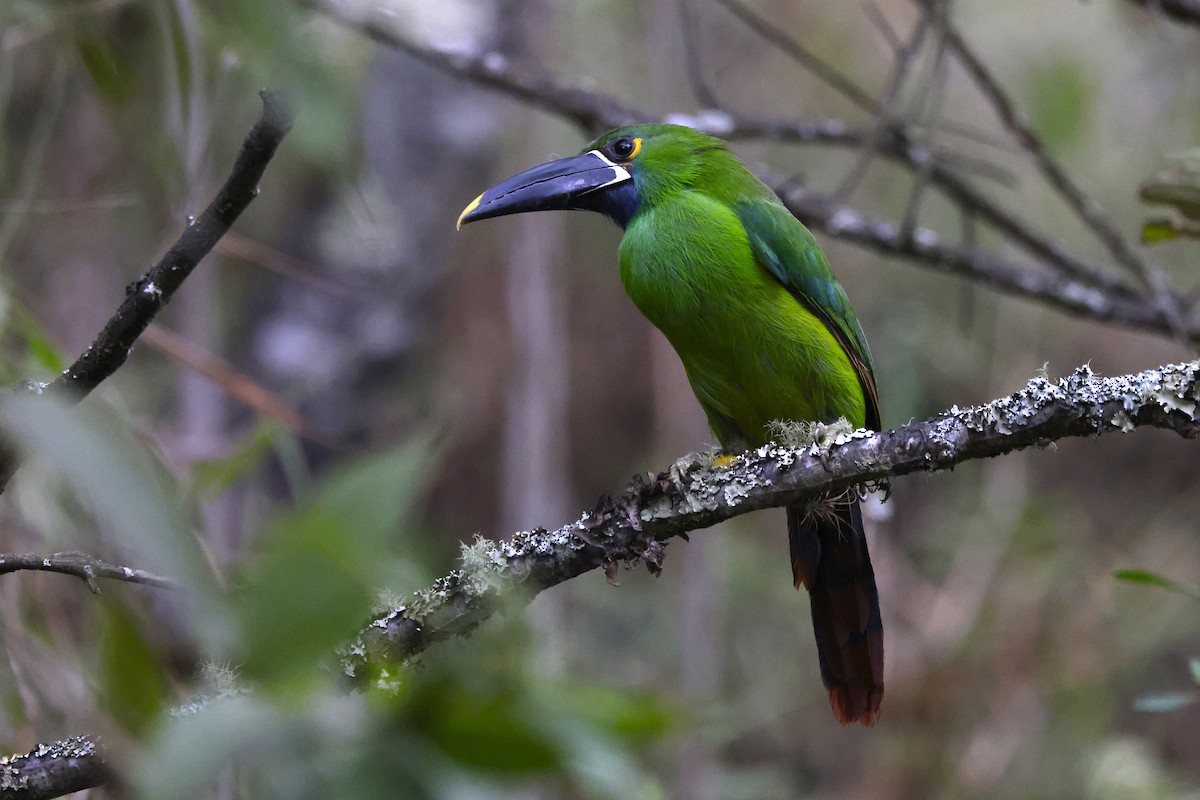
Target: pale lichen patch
800 434
1122 421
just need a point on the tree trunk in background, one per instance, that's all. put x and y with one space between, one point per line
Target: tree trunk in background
202 412
536 485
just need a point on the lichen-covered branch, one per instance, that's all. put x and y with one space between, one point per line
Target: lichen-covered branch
52 770
694 494
153 290
83 566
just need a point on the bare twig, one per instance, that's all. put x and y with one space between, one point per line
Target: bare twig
900 71
155 289
876 16
701 87
834 78
83 566
1083 205
589 110
930 113
926 248
152 291
694 495
285 266
234 383
52 770
1185 11
830 75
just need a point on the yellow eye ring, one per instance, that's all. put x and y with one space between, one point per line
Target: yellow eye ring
625 148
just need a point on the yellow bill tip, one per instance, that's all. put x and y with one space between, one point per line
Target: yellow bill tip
471 206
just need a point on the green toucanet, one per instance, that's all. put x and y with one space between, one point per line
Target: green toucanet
765 331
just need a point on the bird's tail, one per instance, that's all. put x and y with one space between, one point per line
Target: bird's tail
830 559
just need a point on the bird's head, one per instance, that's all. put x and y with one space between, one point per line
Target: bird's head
618 174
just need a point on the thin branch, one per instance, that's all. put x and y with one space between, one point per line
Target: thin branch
900 71
830 75
693 495
152 291
701 87
1185 11
52 770
233 382
926 248
589 110
286 266
876 17
827 73
83 566
932 112
1082 204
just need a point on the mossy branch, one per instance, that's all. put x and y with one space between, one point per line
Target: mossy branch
695 494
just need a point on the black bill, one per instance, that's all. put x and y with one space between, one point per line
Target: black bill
556 185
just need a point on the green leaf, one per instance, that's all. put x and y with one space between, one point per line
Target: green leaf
211 478
1147 578
1060 101
191 750
482 730
45 354
131 494
370 496
322 563
1158 230
1163 702
114 75
310 593
133 683
634 717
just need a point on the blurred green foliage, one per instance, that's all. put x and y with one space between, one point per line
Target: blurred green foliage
1177 186
475 719
1060 100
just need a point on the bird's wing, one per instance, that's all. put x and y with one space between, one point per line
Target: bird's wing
786 249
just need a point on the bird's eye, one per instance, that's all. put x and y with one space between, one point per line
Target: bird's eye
626 147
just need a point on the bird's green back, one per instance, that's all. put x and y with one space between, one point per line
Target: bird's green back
741 290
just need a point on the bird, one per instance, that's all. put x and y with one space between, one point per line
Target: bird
747 299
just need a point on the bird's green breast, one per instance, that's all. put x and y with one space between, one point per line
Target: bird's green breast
752 351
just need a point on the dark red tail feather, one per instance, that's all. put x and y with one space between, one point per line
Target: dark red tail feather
830 559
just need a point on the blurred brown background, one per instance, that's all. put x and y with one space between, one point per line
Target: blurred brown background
1014 657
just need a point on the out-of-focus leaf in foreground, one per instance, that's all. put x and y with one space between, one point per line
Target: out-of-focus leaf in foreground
1148 578
321 564
131 495
133 680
